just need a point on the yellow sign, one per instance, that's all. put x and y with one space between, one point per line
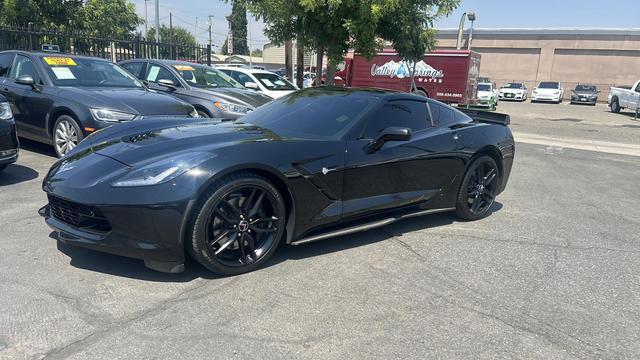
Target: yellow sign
183 67
59 61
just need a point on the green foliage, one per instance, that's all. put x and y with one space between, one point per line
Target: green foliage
335 26
256 52
181 36
224 50
238 23
111 18
108 18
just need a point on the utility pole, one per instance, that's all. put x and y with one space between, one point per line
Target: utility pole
209 48
249 45
157 28
170 28
146 19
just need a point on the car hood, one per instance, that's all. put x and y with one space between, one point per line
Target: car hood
547 91
512 90
584 93
135 143
485 93
244 97
134 101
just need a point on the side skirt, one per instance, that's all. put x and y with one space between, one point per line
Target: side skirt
367 226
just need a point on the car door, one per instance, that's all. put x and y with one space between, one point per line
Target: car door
156 72
634 97
29 103
401 173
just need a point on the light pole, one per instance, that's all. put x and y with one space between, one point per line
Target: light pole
157 29
472 17
146 20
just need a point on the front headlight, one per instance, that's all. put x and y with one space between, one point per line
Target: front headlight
163 170
232 108
111 115
5 112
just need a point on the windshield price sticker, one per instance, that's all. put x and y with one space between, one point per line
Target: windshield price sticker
59 61
183 67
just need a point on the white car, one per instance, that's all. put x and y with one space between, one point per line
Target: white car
513 91
487 95
550 91
266 82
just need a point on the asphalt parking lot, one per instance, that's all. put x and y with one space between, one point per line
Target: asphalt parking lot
554 272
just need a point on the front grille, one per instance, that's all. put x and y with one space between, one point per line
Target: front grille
78 215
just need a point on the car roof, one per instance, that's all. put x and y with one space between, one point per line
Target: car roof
44 53
249 71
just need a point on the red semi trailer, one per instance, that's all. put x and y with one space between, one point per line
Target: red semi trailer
450 76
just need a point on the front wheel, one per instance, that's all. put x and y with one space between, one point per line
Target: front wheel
239 225
478 189
66 135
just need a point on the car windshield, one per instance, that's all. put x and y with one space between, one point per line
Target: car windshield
586 88
484 87
549 85
205 76
274 82
74 71
513 86
312 114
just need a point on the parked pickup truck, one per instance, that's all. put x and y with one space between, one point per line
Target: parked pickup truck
624 97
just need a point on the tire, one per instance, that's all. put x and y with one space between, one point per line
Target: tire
615 106
203 114
226 234
66 135
420 93
483 167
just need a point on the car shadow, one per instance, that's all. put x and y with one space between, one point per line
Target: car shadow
15 174
37 147
134 268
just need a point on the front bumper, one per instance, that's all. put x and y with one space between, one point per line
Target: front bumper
546 98
511 96
8 144
150 234
583 100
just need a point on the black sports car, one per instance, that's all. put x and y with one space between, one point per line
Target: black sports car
311 165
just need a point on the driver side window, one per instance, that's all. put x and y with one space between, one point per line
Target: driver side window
638 88
24 66
399 113
156 73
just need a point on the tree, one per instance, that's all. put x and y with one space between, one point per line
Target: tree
110 18
238 26
335 26
183 40
224 50
256 52
63 15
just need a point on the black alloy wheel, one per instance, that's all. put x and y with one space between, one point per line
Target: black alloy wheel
478 190
239 226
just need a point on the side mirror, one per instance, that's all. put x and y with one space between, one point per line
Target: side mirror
167 83
26 80
388 134
251 85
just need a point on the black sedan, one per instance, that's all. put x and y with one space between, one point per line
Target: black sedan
213 93
59 99
8 136
585 94
317 163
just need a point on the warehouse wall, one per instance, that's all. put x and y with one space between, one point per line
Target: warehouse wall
598 56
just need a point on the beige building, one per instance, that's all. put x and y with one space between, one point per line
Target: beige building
274 54
602 57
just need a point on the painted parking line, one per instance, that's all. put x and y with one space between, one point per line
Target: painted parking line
579 144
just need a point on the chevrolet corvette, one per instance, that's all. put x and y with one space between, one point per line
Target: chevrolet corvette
318 163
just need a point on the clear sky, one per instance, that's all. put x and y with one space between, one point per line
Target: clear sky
490 14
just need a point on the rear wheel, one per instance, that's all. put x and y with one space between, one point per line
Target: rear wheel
478 189
66 135
615 106
239 225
